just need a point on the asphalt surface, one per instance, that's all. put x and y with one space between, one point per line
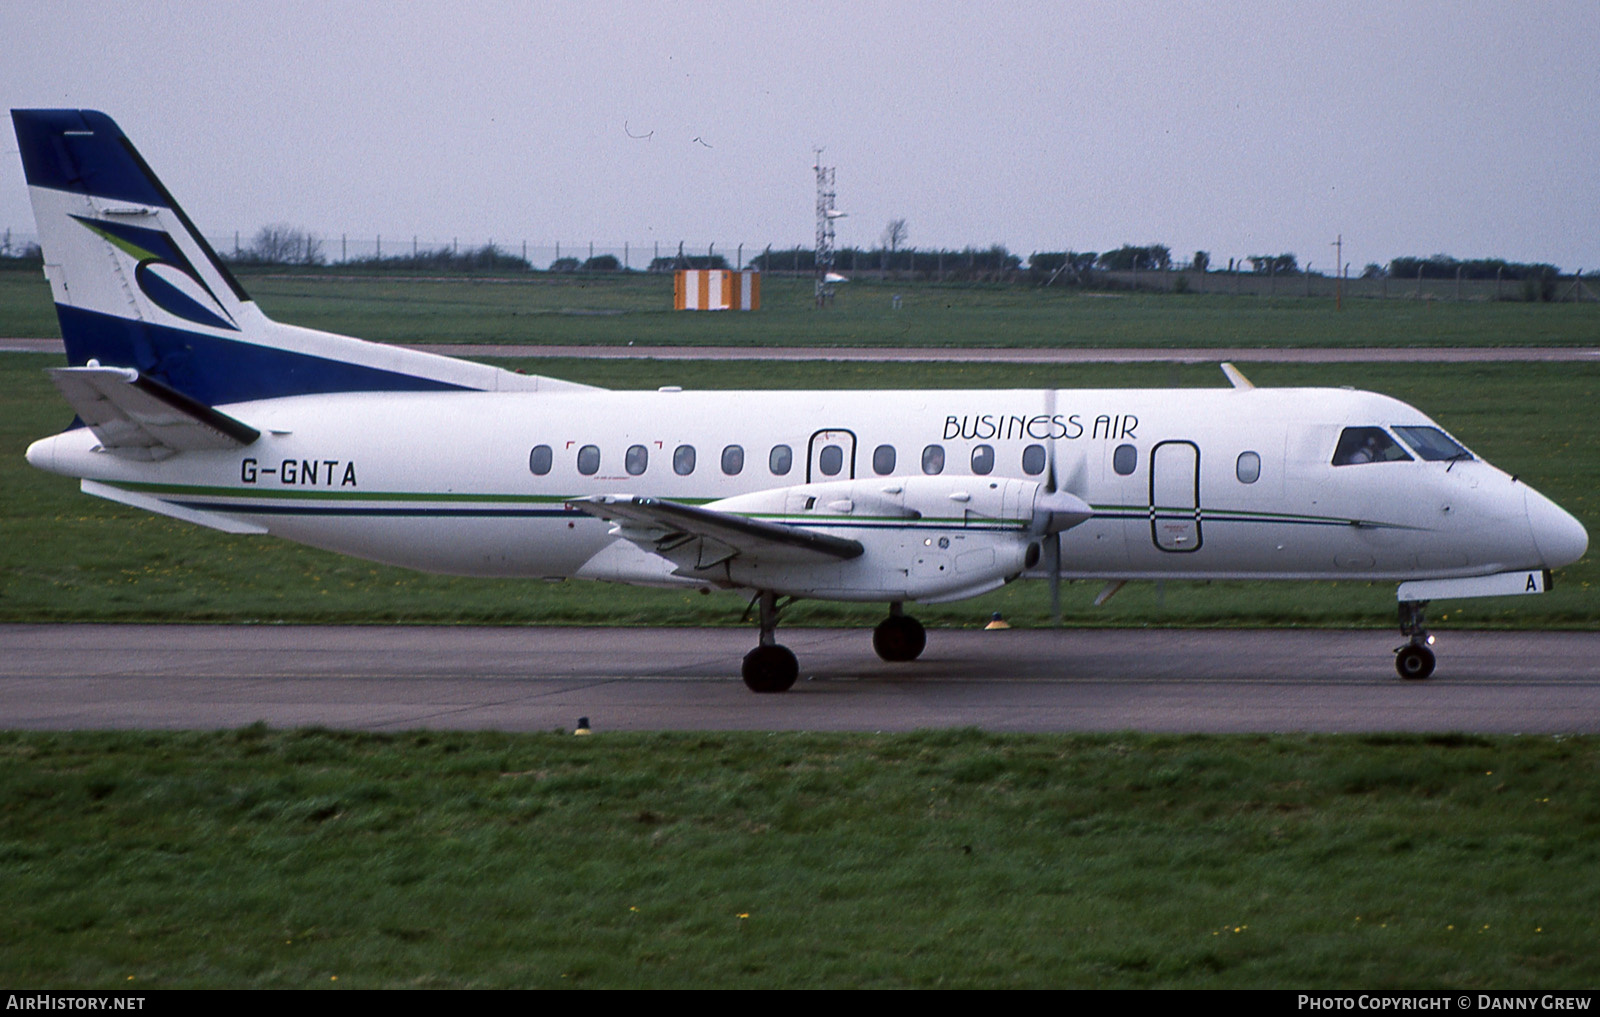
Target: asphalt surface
530 679
1187 355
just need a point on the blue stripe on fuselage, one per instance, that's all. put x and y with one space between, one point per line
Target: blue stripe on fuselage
215 370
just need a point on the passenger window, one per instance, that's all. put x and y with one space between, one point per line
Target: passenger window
1125 460
830 460
733 460
636 460
589 460
883 460
1367 445
933 459
780 461
539 460
683 460
1248 468
1431 443
983 460
1033 460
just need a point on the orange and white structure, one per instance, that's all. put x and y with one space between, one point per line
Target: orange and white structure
716 289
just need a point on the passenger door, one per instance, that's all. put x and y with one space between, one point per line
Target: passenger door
831 455
1175 496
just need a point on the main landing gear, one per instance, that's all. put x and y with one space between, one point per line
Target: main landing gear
899 637
1414 661
771 667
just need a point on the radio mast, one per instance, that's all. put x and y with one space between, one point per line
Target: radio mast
826 214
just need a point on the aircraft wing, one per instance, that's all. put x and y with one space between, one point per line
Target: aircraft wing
696 538
138 417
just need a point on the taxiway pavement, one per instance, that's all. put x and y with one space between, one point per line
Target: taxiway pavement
522 679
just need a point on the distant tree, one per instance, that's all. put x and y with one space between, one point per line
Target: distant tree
1442 266
20 255
602 263
794 259
674 262
488 258
564 265
1071 266
282 244
895 234
1274 264
700 261
1127 258
1202 261
1373 271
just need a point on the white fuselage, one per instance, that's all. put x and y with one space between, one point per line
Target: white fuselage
1225 483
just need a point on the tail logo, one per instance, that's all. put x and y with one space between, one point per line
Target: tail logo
163 274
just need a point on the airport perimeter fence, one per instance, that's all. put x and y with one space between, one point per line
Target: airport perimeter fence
455 255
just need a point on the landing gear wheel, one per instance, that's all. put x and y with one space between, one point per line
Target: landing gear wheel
1414 662
770 668
899 637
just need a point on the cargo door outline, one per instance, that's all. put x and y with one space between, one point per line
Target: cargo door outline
845 440
1175 496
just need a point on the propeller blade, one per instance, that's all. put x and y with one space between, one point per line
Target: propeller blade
1077 478
1055 578
1050 448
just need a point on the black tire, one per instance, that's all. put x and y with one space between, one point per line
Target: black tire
899 638
770 669
1414 663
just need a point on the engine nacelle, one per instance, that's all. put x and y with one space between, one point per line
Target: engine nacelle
923 538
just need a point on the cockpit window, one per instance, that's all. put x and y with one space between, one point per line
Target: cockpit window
1431 443
1367 445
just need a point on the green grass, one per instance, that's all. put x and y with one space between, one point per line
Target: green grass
70 557
311 858
637 308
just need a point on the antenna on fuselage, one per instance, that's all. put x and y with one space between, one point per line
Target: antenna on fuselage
1236 376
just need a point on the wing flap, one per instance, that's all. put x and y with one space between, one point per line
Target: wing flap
137 417
696 538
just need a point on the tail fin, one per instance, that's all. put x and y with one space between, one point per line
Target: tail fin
137 286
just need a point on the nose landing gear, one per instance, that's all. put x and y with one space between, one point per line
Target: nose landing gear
1414 661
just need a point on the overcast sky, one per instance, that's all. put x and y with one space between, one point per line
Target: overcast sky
1411 128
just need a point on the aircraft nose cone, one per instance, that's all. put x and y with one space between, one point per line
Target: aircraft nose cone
1561 539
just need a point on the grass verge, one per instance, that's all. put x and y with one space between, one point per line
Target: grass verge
310 858
609 311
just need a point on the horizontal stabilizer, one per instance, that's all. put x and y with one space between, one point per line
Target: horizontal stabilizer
137 417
